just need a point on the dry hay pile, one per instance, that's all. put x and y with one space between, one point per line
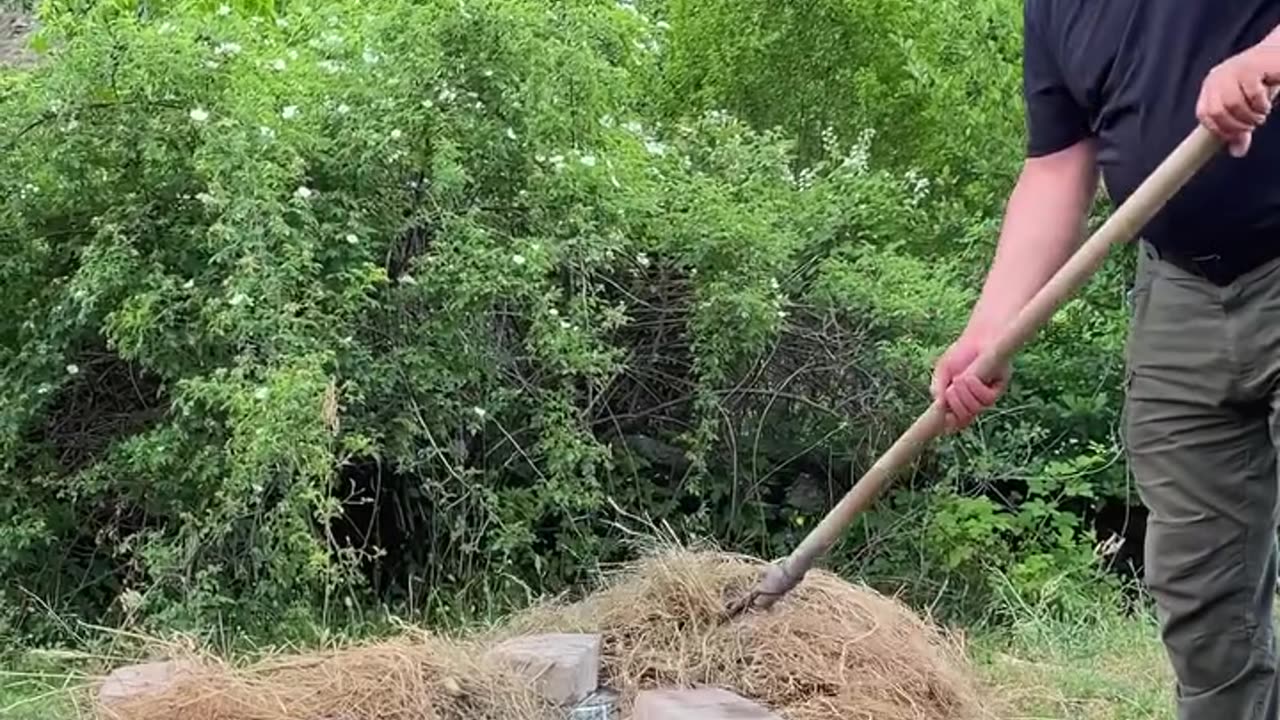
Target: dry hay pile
827 651
412 678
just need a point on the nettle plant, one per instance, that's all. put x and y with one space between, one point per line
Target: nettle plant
372 292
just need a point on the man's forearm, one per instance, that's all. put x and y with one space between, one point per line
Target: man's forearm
1042 227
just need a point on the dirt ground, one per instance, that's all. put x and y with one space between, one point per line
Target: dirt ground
14 29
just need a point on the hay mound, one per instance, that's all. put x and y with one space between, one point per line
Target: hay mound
827 651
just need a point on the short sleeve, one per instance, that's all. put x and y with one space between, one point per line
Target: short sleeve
1054 119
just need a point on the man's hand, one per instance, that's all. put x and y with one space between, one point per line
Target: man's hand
1236 96
965 394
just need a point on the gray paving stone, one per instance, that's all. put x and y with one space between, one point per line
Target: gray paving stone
132 681
565 668
697 704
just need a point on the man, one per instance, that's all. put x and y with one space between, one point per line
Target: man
1115 85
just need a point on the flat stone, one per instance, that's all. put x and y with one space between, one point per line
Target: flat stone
134 681
564 668
697 704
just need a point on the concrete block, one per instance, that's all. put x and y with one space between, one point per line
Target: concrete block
697 704
565 668
133 681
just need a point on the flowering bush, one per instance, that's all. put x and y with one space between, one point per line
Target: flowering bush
412 299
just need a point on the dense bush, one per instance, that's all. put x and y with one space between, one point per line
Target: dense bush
938 81
429 302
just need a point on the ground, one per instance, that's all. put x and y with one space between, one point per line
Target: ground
1111 669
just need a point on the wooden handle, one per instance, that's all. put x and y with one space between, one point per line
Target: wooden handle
1121 226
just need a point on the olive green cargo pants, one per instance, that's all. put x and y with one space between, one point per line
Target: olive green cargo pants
1202 423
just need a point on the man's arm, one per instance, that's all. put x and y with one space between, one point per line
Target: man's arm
1043 226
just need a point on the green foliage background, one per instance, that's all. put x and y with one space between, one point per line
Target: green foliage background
316 308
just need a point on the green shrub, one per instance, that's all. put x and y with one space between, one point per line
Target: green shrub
398 294
939 82
433 304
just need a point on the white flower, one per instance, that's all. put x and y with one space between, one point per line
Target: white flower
224 10
564 324
634 127
395 134
211 64
278 65
370 56
352 239
446 95
238 299
588 160
488 73
643 259
282 23
655 147
518 259
553 312
303 192
266 132
511 133
228 48
479 411
428 103
73 369
189 284
607 121
290 112
198 115
261 393
205 198
343 109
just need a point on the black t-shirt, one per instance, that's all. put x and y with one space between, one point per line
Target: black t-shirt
1128 73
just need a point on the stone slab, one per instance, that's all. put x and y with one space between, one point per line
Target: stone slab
133 681
697 704
565 668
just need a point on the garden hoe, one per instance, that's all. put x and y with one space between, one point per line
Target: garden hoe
1127 220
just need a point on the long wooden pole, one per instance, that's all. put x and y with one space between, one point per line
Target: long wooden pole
1127 220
